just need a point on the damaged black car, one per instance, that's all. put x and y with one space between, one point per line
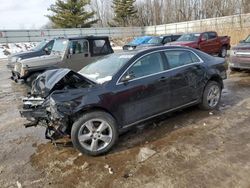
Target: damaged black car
121 90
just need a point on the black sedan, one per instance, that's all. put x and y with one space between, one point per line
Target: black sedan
122 90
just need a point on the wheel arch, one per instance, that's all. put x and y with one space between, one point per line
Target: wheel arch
92 109
216 78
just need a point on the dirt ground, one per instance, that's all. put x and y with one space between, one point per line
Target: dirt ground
194 148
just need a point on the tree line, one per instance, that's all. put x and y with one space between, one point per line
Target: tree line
114 13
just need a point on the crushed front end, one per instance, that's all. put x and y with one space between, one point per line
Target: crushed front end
37 111
55 97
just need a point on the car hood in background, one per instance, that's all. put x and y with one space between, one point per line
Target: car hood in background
12 59
42 61
242 46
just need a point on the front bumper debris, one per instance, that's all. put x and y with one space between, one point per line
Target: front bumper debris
36 111
16 77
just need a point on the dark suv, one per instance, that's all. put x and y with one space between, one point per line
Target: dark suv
122 90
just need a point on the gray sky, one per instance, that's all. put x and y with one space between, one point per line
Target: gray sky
23 14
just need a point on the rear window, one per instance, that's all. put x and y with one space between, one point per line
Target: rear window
100 47
212 35
189 37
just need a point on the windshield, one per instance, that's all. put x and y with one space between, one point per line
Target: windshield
60 45
40 45
155 40
105 68
248 39
140 40
189 37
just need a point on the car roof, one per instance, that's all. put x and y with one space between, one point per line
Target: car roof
90 37
151 49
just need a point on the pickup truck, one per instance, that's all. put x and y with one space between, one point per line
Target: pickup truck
208 42
73 53
43 48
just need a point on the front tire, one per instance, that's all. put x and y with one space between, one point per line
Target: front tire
211 96
94 133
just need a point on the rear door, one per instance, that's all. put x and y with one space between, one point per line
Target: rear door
78 54
186 74
147 93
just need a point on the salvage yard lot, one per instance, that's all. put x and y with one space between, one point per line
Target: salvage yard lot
193 148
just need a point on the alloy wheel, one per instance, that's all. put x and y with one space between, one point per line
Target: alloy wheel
95 135
213 96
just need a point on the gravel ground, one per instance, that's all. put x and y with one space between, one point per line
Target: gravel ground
191 148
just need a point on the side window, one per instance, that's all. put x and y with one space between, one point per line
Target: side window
177 58
50 45
166 40
147 65
79 47
212 35
175 37
205 36
100 47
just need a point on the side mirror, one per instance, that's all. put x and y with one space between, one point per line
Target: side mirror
203 39
242 41
46 50
127 78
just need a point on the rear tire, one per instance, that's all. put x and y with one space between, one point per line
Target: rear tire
211 96
94 133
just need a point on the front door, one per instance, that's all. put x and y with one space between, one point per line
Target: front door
78 54
147 93
205 44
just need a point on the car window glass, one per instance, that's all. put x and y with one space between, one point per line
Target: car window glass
211 35
147 65
78 47
100 47
175 37
177 58
166 40
49 46
205 36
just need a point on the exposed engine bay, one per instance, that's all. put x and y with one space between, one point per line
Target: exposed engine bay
49 103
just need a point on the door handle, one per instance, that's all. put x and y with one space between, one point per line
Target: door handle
162 79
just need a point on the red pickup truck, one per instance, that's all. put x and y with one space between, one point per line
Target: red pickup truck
208 42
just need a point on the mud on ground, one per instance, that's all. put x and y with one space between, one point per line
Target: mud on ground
194 148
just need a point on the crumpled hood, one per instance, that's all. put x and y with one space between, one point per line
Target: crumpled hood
58 79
